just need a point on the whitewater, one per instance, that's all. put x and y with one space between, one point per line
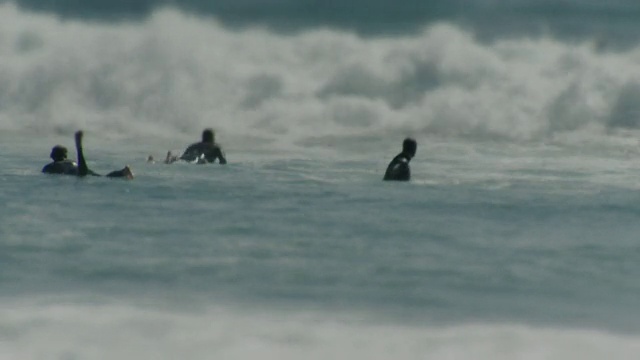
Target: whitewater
515 239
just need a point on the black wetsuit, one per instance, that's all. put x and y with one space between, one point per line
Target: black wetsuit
207 150
65 167
68 167
398 168
83 169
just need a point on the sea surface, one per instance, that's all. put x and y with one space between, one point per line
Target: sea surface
517 237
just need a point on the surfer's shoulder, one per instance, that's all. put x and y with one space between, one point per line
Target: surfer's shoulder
65 167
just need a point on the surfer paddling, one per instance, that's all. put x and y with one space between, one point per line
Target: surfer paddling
62 165
205 151
398 168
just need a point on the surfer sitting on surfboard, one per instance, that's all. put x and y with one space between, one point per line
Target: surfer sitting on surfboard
206 151
398 168
62 165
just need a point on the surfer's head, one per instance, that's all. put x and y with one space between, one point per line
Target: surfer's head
58 153
409 147
208 136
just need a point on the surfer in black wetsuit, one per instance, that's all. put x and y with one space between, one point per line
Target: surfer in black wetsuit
62 165
206 151
398 168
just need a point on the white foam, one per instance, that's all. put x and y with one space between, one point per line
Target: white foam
68 331
174 74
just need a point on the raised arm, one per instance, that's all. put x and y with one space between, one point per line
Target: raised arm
83 170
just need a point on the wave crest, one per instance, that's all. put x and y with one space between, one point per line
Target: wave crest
176 74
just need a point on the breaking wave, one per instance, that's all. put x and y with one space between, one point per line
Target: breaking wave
173 74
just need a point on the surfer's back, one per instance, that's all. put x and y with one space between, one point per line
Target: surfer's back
65 167
398 168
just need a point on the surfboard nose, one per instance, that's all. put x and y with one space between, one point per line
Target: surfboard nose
128 173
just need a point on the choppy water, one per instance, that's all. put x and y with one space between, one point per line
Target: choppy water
282 256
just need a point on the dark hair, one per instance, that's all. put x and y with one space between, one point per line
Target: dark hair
409 146
208 136
58 153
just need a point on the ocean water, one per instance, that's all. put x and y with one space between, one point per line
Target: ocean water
517 237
